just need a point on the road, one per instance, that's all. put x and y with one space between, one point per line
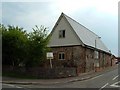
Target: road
10 86
106 80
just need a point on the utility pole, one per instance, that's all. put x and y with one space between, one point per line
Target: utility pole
96 63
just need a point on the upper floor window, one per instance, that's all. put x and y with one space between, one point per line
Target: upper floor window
62 34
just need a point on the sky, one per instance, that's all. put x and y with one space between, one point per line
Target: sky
100 16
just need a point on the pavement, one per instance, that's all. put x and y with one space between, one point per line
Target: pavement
81 77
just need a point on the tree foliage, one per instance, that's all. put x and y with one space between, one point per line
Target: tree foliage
37 46
22 48
13 44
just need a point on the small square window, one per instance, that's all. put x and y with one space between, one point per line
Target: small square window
61 56
62 34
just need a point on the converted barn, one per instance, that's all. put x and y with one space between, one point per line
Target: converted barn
74 45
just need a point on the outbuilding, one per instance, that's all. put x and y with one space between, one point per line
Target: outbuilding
74 45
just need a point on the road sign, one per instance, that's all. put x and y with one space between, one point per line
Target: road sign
50 56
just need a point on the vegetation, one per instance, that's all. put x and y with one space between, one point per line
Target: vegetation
20 48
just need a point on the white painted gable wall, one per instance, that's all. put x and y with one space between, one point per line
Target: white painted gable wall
70 36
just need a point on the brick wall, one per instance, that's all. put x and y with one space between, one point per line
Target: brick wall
81 57
74 57
40 72
89 60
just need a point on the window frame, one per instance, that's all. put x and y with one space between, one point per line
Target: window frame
62 33
61 55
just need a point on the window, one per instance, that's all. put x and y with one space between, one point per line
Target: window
96 53
61 56
62 34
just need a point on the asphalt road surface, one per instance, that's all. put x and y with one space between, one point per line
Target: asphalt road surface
10 86
106 80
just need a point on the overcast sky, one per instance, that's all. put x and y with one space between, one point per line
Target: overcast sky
100 16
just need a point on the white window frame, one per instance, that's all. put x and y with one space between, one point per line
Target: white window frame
60 57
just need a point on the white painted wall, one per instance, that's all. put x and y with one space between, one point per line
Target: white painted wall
70 36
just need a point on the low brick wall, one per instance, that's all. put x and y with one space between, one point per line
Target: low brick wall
52 73
38 72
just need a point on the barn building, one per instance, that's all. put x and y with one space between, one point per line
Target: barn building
74 45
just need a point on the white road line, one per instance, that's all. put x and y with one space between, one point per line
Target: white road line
115 77
96 77
104 86
114 85
12 85
18 87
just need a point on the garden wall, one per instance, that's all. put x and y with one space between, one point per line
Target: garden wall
39 72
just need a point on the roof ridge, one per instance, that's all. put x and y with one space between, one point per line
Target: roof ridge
80 24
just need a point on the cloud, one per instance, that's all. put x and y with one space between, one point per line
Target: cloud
26 0
26 14
0 12
99 16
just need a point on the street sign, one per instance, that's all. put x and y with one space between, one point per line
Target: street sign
49 55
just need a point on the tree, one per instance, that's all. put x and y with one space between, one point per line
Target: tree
37 46
22 48
0 42
13 45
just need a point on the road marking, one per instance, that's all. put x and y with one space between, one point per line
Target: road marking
96 77
115 77
12 85
104 86
18 87
114 85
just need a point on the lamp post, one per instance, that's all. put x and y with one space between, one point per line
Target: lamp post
96 44
96 54
96 41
